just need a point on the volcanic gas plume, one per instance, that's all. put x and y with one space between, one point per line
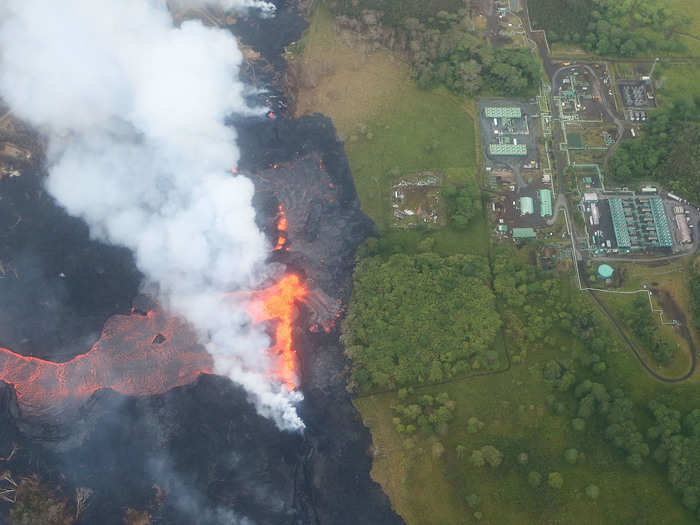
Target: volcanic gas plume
149 354
134 109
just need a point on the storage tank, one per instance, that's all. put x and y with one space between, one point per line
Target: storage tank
605 271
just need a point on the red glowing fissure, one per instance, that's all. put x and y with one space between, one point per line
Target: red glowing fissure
145 355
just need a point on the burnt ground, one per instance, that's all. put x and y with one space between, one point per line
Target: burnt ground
200 452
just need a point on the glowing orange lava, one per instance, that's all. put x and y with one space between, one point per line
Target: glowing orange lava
149 354
135 355
282 227
278 303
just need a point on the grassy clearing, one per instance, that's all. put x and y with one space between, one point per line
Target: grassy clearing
689 10
341 78
428 488
390 127
677 81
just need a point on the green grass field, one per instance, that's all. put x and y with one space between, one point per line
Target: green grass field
677 81
689 10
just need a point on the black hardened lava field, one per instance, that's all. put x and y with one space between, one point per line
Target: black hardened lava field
198 453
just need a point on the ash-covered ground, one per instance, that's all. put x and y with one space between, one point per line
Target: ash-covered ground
197 453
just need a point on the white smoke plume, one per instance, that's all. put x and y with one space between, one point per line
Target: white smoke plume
134 109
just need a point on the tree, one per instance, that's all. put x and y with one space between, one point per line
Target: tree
578 424
534 478
571 455
592 491
492 455
474 425
477 458
473 500
555 480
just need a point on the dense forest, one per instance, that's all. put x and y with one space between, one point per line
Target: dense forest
638 316
441 47
462 203
417 319
668 152
610 27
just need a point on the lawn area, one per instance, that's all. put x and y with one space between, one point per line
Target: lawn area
428 485
689 10
677 81
390 127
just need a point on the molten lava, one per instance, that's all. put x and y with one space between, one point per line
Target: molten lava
148 354
135 355
278 303
282 227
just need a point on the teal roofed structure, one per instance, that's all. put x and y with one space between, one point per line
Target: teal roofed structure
502 112
519 150
545 203
524 233
527 206
660 222
605 271
617 212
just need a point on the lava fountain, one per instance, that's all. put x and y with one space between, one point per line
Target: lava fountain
149 354
279 303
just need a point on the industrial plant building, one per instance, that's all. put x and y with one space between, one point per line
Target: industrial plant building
638 222
506 149
545 202
527 206
502 112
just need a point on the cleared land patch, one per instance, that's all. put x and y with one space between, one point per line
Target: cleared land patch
390 127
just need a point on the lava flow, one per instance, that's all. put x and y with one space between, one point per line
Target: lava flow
148 354
135 355
278 302
282 227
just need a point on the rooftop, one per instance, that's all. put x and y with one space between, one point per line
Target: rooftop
527 206
622 234
508 149
524 233
502 112
545 202
605 271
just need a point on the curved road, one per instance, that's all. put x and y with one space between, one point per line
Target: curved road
653 373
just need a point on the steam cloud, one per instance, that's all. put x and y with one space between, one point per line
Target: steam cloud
134 109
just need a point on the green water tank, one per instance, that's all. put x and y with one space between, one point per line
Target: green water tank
605 271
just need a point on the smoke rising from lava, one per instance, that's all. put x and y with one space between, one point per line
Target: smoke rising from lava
134 110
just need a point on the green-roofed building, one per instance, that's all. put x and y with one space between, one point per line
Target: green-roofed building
527 206
660 222
519 150
502 112
523 233
617 212
545 203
